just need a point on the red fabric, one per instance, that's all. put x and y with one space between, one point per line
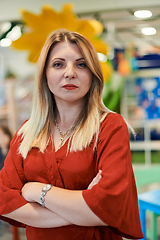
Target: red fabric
114 199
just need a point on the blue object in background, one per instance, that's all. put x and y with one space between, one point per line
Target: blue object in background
148 96
148 61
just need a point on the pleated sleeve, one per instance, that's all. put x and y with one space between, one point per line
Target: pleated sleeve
12 180
114 198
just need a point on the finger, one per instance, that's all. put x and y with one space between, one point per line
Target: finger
97 178
100 171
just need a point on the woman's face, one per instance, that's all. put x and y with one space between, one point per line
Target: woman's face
68 76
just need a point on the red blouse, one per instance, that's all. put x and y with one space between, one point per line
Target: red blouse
113 199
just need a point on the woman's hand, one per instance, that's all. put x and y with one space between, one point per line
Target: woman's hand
96 179
31 190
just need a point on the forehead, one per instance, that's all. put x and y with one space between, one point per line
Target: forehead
65 49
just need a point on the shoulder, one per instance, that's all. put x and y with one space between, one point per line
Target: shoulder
113 125
113 120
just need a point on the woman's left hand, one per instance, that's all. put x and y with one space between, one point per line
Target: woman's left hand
96 179
31 190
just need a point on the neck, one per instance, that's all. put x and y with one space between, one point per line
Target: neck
67 115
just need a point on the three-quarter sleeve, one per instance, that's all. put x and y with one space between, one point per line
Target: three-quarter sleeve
12 180
114 198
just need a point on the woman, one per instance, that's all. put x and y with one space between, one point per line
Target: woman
69 165
5 138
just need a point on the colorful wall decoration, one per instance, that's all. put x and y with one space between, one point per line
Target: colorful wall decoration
38 27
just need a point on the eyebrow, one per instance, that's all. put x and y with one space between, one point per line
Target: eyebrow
53 59
79 59
62 59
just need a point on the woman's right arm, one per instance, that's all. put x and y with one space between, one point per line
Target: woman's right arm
12 204
35 215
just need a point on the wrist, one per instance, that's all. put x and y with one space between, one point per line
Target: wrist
30 191
44 191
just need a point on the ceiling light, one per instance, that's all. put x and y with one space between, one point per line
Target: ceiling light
5 26
15 33
5 42
148 31
143 14
102 57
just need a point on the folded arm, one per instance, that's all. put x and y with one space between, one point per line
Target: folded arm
63 207
35 215
68 204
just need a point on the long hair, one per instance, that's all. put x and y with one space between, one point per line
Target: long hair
36 132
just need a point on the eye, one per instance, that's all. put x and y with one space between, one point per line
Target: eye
57 64
82 64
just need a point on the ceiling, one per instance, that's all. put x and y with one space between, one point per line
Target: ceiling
121 27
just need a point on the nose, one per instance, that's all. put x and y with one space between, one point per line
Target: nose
70 71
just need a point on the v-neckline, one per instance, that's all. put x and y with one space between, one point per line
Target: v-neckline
59 149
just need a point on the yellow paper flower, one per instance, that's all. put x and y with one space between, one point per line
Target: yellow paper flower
38 27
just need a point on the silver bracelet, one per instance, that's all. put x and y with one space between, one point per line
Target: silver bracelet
45 189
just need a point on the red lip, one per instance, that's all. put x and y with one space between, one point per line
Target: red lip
70 86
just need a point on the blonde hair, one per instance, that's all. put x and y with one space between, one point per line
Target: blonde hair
36 132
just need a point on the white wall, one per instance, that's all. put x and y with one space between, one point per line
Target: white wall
16 61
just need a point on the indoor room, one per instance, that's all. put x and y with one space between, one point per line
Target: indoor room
125 63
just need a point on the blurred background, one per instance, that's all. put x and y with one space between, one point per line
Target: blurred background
126 35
